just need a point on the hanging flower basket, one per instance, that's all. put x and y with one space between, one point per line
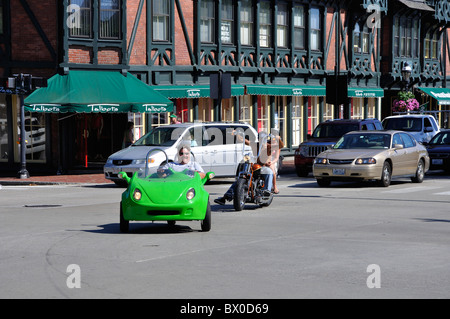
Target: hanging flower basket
405 103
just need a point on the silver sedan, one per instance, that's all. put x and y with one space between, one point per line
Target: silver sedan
372 155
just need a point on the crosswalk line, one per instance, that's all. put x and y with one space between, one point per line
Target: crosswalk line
410 189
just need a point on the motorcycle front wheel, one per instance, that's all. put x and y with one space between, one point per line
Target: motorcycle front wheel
240 194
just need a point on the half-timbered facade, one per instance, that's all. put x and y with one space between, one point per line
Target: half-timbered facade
278 55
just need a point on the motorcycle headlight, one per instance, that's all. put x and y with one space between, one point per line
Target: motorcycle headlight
190 194
137 195
368 160
321 160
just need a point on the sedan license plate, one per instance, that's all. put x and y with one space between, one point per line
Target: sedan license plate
437 161
338 171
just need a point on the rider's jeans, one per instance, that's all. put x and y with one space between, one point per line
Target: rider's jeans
267 174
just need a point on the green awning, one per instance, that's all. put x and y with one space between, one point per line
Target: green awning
365 92
286 90
192 91
442 95
96 91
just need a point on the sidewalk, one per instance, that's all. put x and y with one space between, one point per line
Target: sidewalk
99 178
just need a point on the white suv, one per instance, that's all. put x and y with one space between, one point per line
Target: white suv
422 127
213 145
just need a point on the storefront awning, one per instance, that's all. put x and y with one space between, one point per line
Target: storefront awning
286 90
192 91
96 91
442 95
365 92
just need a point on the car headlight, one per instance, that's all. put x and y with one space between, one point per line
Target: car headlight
137 195
304 151
190 194
321 160
139 162
368 160
109 161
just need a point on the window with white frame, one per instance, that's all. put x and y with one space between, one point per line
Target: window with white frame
81 16
315 23
265 24
246 29
299 26
227 23
161 20
282 25
207 18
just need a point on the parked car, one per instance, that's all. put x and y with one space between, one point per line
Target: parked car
439 151
325 135
373 155
213 145
422 127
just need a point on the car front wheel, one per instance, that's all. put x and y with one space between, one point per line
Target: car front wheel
420 173
124 224
206 223
386 175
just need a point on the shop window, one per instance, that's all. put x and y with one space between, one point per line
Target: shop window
263 113
297 120
358 108
34 136
227 110
4 137
280 116
313 113
245 111
246 15
227 29
207 19
161 20
328 112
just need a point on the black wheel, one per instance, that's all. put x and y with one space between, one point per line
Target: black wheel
386 175
420 173
240 194
301 171
323 182
206 223
124 224
268 202
171 223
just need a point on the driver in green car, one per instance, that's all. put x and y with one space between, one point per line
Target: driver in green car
184 154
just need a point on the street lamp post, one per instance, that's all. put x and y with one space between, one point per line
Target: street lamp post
406 75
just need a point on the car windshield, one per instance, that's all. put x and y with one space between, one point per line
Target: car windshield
410 124
168 173
328 130
364 141
160 136
442 138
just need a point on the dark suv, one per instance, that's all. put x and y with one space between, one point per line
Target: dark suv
325 135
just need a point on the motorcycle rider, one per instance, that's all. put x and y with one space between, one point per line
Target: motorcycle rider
265 160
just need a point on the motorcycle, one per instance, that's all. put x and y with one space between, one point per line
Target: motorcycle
250 180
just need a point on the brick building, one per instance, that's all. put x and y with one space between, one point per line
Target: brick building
279 56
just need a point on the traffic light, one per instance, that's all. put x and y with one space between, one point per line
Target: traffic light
21 84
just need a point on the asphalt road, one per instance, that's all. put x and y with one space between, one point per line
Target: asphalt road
344 241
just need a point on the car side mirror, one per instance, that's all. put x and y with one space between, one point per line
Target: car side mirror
124 176
398 146
208 176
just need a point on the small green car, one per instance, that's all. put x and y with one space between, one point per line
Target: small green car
165 195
